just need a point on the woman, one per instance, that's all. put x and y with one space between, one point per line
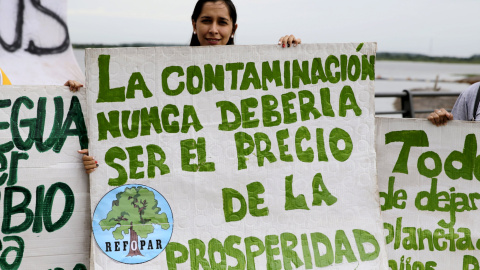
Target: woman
214 23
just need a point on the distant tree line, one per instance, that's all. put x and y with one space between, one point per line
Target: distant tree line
474 59
84 46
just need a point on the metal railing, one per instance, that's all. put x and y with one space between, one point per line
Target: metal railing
406 101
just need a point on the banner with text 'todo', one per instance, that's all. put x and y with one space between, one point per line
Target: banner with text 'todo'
428 178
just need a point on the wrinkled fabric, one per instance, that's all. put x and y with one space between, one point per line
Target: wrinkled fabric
465 104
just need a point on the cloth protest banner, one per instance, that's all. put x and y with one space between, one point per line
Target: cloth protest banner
252 157
428 181
44 188
35 45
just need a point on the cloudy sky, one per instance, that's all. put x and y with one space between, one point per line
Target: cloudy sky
433 27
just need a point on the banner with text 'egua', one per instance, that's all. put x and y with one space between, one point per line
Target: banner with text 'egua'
428 178
44 198
35 46
239 157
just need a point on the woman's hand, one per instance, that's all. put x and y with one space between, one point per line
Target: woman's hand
89 162
74 85
288 41
440 117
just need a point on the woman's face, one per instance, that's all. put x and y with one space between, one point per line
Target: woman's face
214 25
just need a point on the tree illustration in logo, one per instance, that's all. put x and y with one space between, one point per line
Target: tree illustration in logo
135 210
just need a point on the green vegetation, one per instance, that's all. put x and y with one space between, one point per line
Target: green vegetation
392 56
467 75
84 46
474 59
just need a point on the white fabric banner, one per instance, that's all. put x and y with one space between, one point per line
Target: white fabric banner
43 186
428 180
35 45
250 156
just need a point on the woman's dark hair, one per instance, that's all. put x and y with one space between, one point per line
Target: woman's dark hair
198 9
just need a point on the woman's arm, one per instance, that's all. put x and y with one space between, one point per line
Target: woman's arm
74 85
89 162
289 40
440 117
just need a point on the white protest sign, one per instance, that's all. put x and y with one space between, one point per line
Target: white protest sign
251 157
35 45
44 188
428 178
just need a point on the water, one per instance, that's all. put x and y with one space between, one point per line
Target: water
419 71
399 70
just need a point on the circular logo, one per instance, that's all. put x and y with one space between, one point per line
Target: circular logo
132 224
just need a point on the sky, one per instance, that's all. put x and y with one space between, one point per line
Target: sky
432 27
